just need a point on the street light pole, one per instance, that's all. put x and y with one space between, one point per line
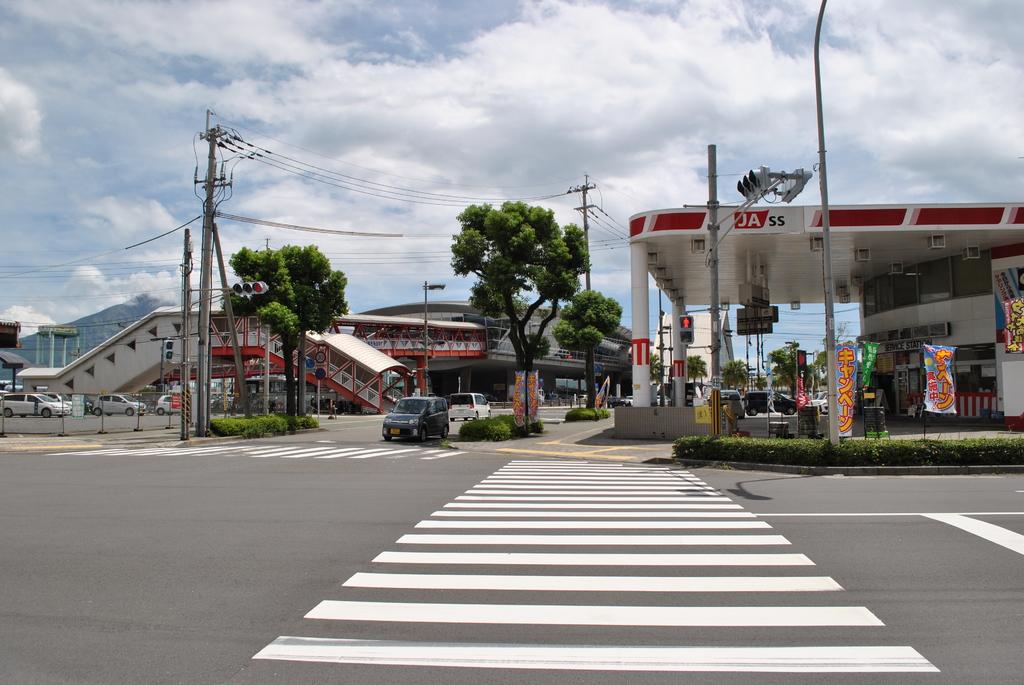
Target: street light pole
826 254
426 350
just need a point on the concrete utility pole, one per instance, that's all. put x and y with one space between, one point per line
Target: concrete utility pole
186 313
587 185
716 322
210 184
826 241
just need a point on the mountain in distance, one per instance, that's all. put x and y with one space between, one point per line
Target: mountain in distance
92 330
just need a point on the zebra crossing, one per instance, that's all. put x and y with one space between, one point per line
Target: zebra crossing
304 451
580 546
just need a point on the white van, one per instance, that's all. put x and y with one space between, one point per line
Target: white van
34 404
117 404
468 405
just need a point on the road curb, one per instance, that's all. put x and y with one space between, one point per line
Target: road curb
855 470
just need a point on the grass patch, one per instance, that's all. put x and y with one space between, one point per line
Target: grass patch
804 452
587 414
258 426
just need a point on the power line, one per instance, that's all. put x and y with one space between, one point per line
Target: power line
308 229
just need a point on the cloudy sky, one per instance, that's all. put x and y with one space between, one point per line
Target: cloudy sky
369 105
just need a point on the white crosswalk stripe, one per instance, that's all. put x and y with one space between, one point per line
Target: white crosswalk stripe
321 449
575 507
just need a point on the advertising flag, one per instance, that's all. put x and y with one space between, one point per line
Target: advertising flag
518 406
801 371
1013 330
846 383
602 393
532 382
940 388
868 357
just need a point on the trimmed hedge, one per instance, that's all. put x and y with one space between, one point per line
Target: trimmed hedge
804 452
585 414
495 429
258 426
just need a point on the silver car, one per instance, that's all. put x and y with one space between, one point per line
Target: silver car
118 404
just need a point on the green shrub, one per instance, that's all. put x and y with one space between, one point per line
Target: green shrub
496 428
586 414
978 451
254 427
258 426
493 429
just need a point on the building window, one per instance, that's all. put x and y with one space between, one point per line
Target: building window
972 276
934 281
883 293
904 290
869 297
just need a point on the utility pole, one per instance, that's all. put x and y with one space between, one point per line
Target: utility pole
661 352
186 312
587 185
716 322
210 184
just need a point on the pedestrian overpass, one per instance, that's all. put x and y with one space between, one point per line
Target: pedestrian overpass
133 359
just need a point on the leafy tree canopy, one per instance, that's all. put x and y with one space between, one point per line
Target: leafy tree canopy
525 264
696 367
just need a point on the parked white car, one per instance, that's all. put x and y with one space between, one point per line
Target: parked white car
118 404
820 401
468 405
34 404
163 406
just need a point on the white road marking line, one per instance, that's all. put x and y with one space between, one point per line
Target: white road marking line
441 456
329 442
574 614
492 497
567 559
308 453
596 514
371 453
339 453
426 581
276 452
898 513
859 659
476 490
574 505
592 540
598 525
106 450
988 531
618 480
402 452
520 485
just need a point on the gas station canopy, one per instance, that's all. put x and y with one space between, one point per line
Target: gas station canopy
783 244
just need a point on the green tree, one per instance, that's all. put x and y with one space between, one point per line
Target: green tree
586 320
696 367
735 373
525 265
783 361
657 369
305 294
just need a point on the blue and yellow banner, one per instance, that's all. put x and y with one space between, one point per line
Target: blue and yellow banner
940 387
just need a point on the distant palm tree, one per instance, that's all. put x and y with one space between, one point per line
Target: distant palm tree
735 373
696 368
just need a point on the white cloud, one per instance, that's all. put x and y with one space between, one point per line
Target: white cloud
20 117
29 317
117 218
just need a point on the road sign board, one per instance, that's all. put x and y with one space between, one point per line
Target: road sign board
754 327
320 356
320 374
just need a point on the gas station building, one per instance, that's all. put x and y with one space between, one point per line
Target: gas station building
921 274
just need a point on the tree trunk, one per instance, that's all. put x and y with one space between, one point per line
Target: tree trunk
287 349
301 399
591 392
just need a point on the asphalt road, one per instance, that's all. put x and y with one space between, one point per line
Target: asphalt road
165 565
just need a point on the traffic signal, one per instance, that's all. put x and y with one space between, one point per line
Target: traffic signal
755 184
686 329
250 288
168 349
795 183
